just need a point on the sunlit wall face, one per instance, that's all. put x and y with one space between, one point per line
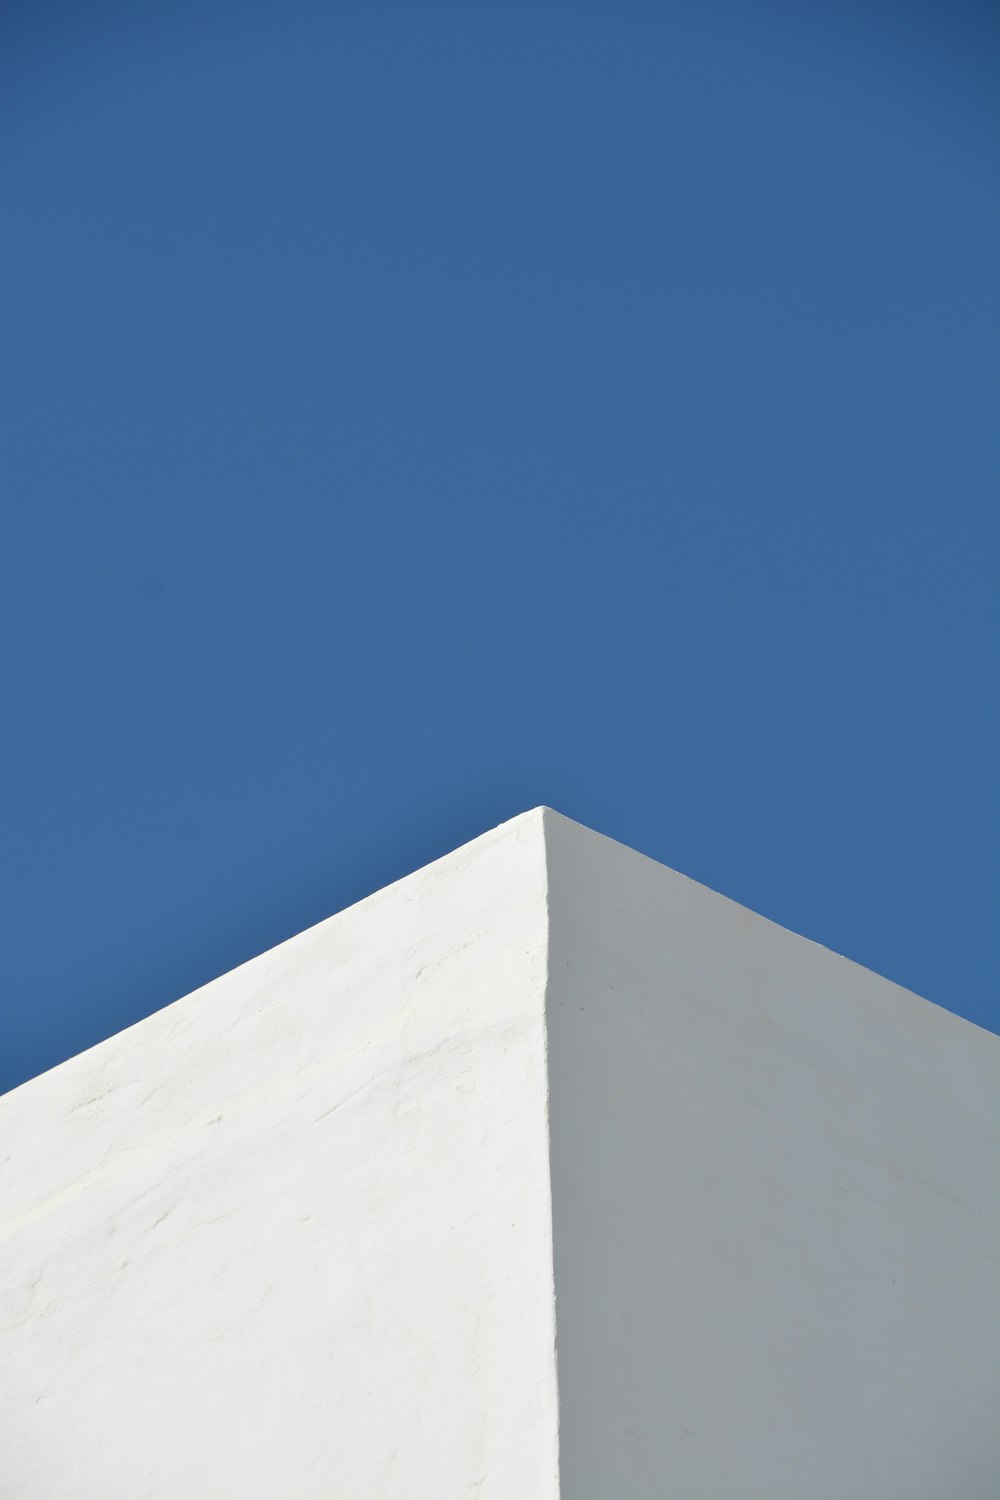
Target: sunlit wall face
413 414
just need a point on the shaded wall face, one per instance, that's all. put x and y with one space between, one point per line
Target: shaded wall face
772 1191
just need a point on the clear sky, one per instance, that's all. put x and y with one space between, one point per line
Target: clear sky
416 413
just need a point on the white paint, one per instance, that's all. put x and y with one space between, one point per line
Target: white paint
293 1236
775 1202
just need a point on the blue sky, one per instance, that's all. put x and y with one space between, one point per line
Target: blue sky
413 414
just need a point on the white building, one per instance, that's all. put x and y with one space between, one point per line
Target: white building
542 1173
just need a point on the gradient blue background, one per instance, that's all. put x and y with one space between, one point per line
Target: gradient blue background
413 414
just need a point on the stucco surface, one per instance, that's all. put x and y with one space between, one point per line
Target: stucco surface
775 1200
290 1237
544 1172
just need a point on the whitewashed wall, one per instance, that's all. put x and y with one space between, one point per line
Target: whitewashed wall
776 1203
293 1237
290 1237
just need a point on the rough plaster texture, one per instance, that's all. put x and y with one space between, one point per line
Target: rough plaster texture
306 1233
291 1237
